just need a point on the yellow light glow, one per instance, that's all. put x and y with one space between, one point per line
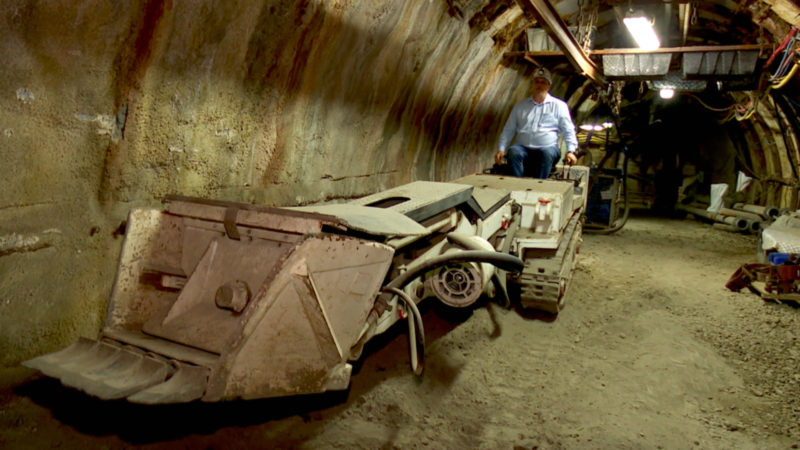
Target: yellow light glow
596 127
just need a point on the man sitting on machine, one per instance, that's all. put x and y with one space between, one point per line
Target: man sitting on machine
534 125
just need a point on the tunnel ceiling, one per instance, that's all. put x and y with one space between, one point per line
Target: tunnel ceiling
709 22
740 35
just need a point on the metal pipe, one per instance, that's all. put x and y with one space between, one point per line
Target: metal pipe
764 211
738 222
685 15
743 214
734 221
697 211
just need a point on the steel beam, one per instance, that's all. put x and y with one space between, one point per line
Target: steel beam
638 51
548 18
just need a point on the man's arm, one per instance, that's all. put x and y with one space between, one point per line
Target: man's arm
567 130
509 130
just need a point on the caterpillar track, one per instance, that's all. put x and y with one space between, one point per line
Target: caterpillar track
543 282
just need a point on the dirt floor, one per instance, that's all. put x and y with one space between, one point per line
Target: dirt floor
651 352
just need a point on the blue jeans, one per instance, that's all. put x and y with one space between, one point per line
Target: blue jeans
532 162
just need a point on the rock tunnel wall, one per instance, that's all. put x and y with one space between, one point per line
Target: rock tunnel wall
295 102
108 105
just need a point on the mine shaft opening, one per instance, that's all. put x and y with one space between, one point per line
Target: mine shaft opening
677 152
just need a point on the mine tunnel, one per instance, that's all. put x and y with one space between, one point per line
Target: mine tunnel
110 107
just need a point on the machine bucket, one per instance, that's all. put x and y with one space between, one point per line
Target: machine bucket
216 300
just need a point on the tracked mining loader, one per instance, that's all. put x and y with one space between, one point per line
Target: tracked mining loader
216 301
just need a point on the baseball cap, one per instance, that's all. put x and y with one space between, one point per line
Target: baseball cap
541 72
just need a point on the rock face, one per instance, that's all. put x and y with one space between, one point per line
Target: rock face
109 105
292 102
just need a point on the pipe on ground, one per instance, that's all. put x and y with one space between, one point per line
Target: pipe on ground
735 221
767 212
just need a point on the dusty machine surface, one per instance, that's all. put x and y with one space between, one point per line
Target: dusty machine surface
215 301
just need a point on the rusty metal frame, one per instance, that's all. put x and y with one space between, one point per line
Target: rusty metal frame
549 19
638 51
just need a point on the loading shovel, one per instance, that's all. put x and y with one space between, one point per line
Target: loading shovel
216 300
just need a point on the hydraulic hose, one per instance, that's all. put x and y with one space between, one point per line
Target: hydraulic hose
414 327
500 287
504 261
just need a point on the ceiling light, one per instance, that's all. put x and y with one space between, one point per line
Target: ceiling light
642 31
666 92
596 127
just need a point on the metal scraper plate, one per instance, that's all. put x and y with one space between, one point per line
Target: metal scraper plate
102 369
185 385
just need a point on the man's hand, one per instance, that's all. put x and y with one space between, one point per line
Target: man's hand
571 158
498 157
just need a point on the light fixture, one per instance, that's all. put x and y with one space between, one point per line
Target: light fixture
642 31
596 127
666 92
